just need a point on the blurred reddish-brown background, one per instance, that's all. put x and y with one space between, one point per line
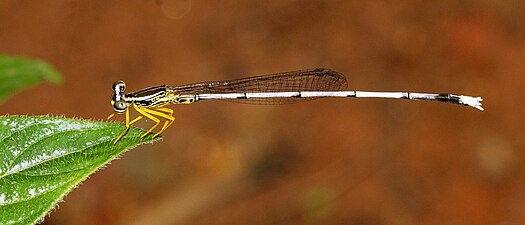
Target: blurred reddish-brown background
331 161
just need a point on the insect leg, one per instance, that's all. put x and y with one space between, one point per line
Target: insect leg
171 119
125 130
136 119
149 116
168 116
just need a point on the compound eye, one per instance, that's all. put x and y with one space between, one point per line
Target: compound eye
120 106
119 86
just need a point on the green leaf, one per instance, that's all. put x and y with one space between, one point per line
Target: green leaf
17 73
43 158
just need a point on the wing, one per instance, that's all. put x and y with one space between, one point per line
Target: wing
319 79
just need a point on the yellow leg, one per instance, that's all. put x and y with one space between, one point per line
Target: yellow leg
125 130
128 123
135 120
168 116
144 112
165 113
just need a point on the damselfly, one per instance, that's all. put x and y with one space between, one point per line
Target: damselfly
279 88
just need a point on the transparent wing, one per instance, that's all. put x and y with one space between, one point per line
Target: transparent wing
319 79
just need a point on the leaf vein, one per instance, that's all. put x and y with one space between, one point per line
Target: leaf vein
38 141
